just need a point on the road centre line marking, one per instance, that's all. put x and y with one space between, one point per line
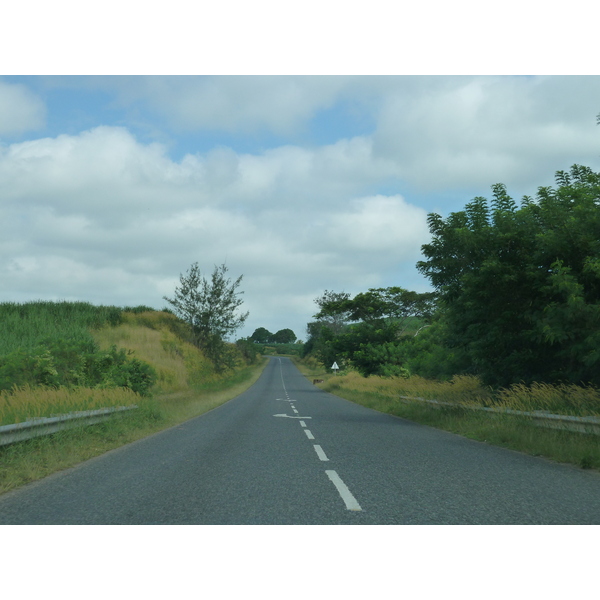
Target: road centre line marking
295 411
344 492
320 452
282 381
291 416
309 435
303 423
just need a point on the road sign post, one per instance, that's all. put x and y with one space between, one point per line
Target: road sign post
335 368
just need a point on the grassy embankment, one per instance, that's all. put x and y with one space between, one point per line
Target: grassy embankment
514 432
35 336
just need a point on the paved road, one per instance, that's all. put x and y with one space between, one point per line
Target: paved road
284 452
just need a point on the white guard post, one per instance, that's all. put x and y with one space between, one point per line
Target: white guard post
335 368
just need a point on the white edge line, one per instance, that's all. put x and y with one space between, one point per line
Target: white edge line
342 488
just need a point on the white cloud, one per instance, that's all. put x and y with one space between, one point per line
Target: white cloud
20 109
435 133
103 217
380 224
463 132
279 104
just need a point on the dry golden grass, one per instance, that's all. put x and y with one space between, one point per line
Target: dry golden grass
178 364
566 399
21 404
461 389
467 390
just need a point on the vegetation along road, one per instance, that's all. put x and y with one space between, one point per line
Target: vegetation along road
285 452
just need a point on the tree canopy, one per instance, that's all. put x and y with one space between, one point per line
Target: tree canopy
520 285
264 336
366 331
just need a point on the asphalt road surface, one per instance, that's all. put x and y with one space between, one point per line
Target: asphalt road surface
285 452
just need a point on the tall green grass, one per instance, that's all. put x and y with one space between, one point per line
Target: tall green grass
27 326
51 344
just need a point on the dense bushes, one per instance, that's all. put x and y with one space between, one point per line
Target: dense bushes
50 344
75 363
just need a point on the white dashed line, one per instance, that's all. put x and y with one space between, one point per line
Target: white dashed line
320 452
342 488
349 500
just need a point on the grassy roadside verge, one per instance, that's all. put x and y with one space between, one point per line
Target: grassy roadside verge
516 433
29 461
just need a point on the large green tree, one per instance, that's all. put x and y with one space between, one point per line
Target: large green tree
520 285
261 335
210 306
284 336
370 328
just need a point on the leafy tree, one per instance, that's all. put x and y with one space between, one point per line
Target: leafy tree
321 344
210 307
520 285
374 325
284 336
394 304
249 350
335 320
261 336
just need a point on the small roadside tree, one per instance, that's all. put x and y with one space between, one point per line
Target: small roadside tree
211 309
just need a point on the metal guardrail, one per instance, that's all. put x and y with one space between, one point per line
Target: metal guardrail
39 426
539 417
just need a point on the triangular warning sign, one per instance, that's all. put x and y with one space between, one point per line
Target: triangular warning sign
334 366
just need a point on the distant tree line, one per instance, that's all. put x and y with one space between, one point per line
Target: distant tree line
264 336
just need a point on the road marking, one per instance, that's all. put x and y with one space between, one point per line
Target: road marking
295 411
303 423
342 488
282 381
309 435
320 452
291 416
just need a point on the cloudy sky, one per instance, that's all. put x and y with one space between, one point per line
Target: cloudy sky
111 186
301 147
